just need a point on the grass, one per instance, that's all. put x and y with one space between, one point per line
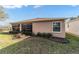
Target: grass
6 40
36 45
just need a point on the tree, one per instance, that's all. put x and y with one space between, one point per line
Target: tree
3 15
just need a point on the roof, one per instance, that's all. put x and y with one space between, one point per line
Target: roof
73 20
40 20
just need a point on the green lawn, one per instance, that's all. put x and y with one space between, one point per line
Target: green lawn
6 40
38 45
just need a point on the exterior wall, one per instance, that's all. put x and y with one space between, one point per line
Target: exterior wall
47 27
62 31
66 25
73 27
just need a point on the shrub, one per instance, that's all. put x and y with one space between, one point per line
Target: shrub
33 34
48 35
39 34
45 35
26 32
14 32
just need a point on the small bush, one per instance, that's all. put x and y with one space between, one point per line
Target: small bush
48 35
27 32
14 32
39 34
33 34
45 35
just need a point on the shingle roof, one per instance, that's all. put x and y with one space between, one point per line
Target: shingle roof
40 19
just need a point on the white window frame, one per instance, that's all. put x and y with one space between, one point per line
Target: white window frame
60 27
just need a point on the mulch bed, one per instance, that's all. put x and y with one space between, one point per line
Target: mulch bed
20 36
60 40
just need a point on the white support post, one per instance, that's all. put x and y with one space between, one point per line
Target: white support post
20 27
11 28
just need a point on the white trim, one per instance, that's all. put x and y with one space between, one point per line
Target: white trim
60 27
20 27
11 29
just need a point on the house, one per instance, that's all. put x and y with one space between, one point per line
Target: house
72 26
55 26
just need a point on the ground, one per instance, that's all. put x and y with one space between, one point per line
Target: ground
6 40
37 45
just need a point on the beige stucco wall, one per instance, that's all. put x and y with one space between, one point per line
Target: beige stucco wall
73 27
48 28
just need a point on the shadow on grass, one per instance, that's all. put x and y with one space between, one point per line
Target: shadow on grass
31 45
38 45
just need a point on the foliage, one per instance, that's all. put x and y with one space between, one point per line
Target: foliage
33 34
26 32
14 32
45 35
3 15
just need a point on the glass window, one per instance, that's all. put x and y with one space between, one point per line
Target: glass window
56 26
27 26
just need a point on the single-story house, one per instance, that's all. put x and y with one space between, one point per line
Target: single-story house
55 26
72 26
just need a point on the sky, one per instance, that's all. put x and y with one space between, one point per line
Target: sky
25 12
